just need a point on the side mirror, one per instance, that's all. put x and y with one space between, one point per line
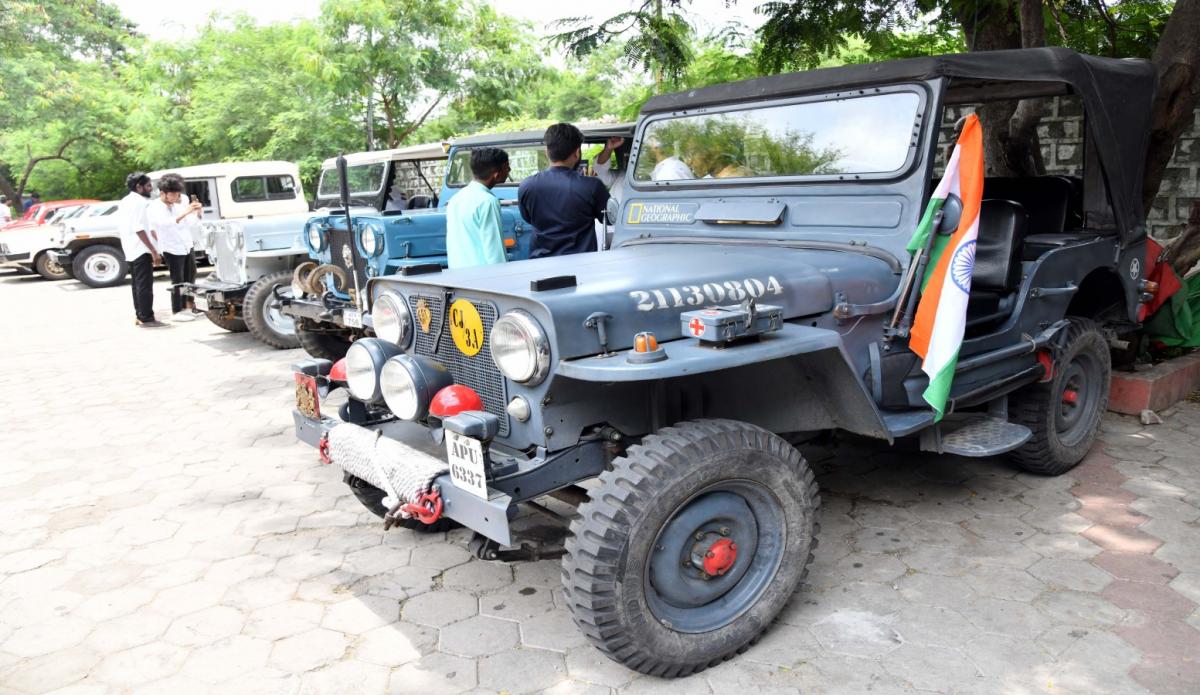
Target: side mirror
611 211
951 214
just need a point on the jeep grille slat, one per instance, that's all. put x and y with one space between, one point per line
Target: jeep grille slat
478 372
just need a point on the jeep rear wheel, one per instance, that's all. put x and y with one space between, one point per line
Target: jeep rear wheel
1064 413
49 268
325 346
224 320
692 544
261 311
371 497
100 266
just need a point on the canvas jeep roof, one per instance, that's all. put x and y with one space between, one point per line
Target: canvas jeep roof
1117 94
429 150
232 169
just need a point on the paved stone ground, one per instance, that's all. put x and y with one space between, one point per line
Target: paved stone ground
164 533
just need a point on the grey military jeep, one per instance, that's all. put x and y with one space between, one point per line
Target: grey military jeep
759 288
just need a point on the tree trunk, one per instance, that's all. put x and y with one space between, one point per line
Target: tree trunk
1177 58
1184 251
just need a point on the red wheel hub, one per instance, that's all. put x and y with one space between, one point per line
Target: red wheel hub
1070 396
719 557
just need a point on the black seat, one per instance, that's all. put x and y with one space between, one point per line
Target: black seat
1003 225
1047 199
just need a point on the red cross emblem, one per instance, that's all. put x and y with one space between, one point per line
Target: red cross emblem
696 327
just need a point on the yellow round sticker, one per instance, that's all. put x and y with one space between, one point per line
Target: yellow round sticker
466 327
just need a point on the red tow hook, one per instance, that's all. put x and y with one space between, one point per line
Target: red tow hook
323 449
427 509
720 557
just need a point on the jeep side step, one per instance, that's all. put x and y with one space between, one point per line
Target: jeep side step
974 434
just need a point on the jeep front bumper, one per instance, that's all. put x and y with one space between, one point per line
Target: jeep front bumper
63 257
338 312
489 517
208 294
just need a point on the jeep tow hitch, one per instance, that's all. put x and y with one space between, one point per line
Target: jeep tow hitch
427 509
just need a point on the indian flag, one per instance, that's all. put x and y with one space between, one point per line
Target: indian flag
937 331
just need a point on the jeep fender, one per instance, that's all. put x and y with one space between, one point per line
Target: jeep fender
799 378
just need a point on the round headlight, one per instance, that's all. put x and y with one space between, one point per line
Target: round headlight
368 241
392 319
364 361
316 240
399 390
520 348
409 383
361 377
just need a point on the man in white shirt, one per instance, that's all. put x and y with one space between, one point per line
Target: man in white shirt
139 247
171 222
612 178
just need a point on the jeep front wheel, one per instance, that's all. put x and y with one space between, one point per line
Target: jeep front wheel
1064 413
49 268
100 266
691 545
261 311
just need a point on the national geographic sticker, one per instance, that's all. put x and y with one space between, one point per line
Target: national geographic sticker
662 213
466 327
424 315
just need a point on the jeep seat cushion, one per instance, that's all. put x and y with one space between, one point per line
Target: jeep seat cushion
1002 228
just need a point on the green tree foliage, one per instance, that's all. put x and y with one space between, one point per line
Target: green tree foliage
237 91
58 62
401 54
654 37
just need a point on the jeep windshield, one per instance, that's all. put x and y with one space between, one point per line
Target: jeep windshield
366 180
525 161
864 136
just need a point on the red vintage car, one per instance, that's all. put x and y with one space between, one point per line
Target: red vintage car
44 212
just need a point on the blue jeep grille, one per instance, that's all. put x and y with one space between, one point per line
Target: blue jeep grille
478 372
340 243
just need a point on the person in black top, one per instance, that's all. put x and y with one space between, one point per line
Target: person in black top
560 203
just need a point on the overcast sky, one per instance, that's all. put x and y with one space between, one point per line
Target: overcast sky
164 20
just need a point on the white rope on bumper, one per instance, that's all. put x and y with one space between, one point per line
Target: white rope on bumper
399 470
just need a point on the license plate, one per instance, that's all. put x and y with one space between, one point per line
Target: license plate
201 303
465 456
308 399
352 318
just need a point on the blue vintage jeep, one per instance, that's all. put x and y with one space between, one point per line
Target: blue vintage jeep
407 236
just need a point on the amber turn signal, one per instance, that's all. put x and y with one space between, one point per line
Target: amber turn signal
645 342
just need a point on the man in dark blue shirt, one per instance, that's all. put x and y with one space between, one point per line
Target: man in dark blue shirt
560 203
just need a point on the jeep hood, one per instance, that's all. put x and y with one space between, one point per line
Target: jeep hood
646 287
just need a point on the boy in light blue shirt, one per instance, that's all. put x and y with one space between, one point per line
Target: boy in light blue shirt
473 214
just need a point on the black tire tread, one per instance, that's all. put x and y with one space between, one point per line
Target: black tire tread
220 319
589 567
251 312
321 345
1028 406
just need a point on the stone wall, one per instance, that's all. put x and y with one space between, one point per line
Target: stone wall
1060 133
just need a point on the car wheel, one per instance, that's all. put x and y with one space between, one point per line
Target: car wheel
691 545
49 268
1064 413
222 319
371 497
261 311
325 346
100 266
